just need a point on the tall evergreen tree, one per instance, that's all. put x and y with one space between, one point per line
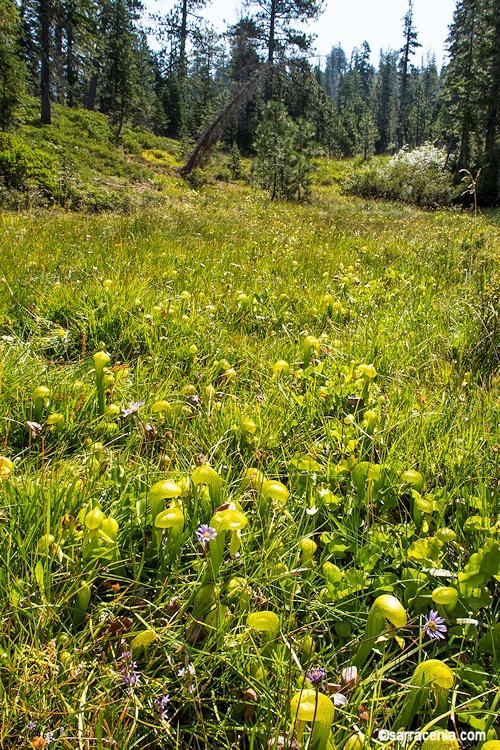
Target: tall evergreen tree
386 102
200 88
276 20
173 31
408 49
12 69
336 66
244 61
490 183
463 91
45 18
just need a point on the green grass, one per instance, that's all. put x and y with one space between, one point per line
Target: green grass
195 300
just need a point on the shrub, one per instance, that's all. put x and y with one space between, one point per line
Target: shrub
419 177
23 168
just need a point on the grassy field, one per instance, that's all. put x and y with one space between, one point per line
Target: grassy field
318 384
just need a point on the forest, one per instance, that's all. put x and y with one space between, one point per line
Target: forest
172 73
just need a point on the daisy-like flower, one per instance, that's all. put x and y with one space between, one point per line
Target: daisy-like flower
132 408
161 704
434 626
316 675
205 533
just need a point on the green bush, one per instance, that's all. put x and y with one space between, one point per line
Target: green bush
419 177
24 168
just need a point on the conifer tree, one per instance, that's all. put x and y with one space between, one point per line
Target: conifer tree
284 150
277 21
12 69
386 107
336 66
408 49
490 182
45 18
463 92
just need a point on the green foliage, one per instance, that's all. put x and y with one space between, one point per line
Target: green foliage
284 148
235 162
77 164
23 168
12 67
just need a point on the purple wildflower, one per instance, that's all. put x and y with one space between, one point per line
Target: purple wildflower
31 725
434 626
205 533
188 674
186 671
316 675
49 738
128 670
132 408
161 704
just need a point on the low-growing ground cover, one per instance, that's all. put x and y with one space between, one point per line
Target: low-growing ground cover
247 447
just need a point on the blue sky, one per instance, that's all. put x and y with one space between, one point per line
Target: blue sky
352 21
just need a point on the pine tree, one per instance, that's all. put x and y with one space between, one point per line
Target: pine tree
408 49
119 63
490 182
284 150
336 66
462 81
45 19
200 87
172 32
276 20
386 103
244 61
12 69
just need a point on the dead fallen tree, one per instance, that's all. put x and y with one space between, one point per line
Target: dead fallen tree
212 132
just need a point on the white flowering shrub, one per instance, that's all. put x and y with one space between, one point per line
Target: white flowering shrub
421 159
416 176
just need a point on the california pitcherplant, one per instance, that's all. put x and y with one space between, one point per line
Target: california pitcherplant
386 611
101 359
317 488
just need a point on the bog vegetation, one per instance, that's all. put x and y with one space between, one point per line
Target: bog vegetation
249 417
249 472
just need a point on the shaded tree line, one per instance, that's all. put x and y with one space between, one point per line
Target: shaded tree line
99 55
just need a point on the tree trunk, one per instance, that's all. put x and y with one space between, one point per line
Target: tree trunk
468 116
45 61
211 134
91 95
271 44
491 178
182 41
71 64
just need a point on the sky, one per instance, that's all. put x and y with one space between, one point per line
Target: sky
350 22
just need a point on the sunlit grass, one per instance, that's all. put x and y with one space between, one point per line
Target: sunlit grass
195 303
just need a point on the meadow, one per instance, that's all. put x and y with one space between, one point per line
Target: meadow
249 479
